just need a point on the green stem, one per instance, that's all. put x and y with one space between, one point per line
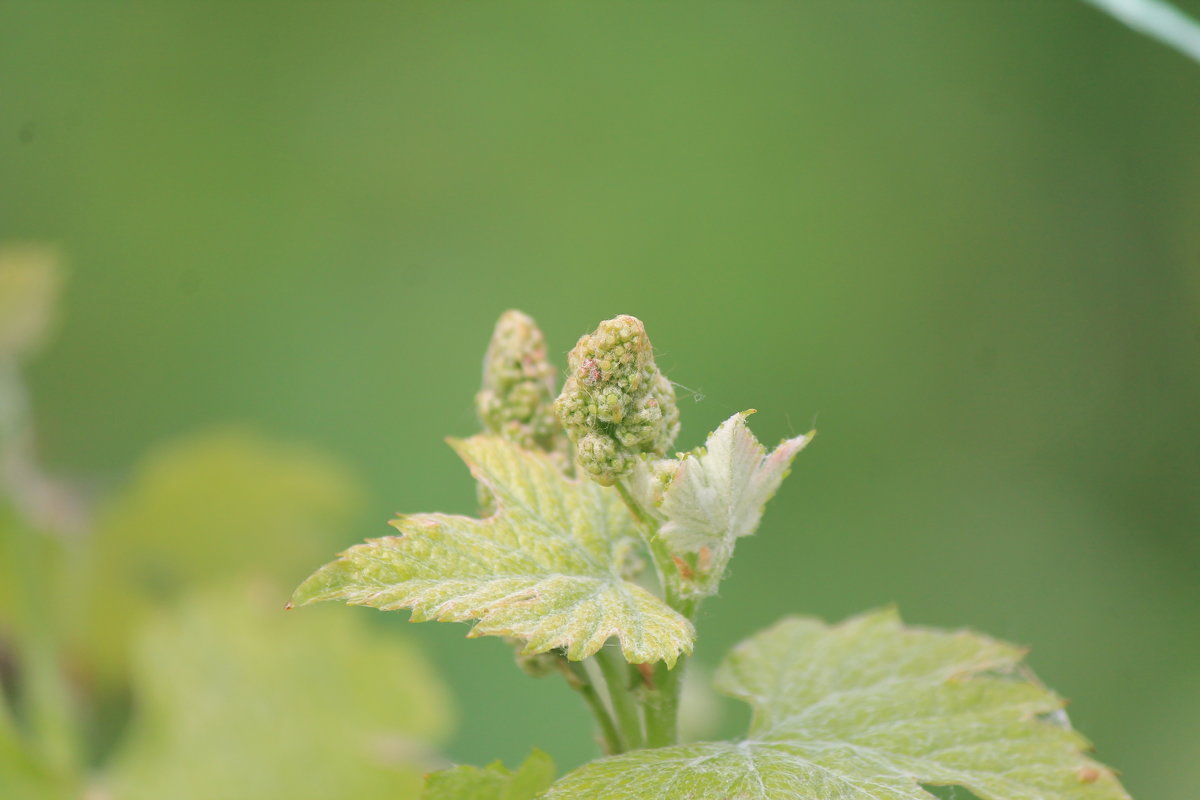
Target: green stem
616 676
579 680
45 697
661 703
635 507
664 565
662 706
49 706
44 706
10 739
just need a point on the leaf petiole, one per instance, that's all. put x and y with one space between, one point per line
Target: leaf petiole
616 676
579 680
661 704
664 566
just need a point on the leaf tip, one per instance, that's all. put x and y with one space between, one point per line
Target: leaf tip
300 598
886 616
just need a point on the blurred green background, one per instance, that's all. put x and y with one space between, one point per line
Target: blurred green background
961 237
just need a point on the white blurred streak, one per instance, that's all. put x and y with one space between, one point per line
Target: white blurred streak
1159 20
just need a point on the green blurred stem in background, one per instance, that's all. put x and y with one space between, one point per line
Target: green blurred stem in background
46 703
45 714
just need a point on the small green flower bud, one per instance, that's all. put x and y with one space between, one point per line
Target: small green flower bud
516 401
616 404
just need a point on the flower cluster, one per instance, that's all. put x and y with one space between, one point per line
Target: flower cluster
515 402
616 404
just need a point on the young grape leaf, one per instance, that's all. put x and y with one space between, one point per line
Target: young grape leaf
868 710
493 782
546 568
717 495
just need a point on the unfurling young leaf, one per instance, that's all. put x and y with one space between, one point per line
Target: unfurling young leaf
868 710
493 782
716 495
546 568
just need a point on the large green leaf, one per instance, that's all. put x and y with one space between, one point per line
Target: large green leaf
546 568
717 495
493 782
868 710
235 698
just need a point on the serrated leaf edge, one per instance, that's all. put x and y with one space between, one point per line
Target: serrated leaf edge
682 643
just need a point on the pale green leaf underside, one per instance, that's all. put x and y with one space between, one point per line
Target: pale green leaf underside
545 568
868 710
717 494
493 782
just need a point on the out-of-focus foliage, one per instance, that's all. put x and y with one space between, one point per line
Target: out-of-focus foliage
218 505
22 777
145 651
699 706
175 604
234 702
493 782
30 280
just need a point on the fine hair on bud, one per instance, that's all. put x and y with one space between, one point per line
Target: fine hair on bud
615 404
